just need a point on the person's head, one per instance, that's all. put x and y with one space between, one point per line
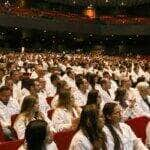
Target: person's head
54 79
29 84
91 123
65 100
9 82
81 84
5 93
94 98
15 75
112 113
29 105
70 73
106 84
36 134
144 90
126 83
42 83
92 79
121 97
106 75
40 70
62 85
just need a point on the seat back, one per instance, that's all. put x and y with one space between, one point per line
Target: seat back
50 113
11 145
138 125
49 100
2 138
63 139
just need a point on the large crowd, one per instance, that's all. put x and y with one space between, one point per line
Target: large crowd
93 94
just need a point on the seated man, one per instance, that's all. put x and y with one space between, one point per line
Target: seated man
8 108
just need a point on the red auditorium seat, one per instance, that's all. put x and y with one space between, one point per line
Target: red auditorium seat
49 113
63 139
49 100
11 145
138 125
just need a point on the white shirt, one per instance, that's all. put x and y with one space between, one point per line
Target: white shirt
62 119
80 142
43 105
51 146
80 97
7 111
128 138
106 98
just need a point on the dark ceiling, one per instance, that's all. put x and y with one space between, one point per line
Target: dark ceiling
99 3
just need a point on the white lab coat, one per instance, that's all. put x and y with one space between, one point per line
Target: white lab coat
7 111
128 138
80 142
80 97
62 118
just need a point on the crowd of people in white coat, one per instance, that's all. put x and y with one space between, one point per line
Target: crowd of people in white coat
91 93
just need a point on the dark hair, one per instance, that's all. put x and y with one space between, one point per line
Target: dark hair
60 85
65 100
4 88
28 103
89 124
79 82
54 77
120 97
91 79
103 82
93 98
28 83
108 111
35 135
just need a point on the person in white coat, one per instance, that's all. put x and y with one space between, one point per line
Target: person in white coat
90 135
66 114
7 109
107 95
119 135
29 112
38 137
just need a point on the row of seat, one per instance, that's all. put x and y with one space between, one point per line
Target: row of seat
138 125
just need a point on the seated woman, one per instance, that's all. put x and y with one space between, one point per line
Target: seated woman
130 107
66 114
29 111
119 135
38 137
90 135
61 85
94 98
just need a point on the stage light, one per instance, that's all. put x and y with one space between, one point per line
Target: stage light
90 12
